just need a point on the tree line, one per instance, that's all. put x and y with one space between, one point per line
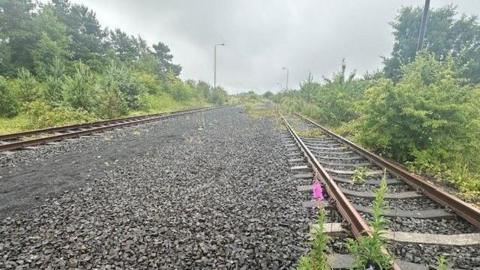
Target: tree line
58 64
422 109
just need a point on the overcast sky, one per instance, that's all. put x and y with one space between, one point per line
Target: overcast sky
262 36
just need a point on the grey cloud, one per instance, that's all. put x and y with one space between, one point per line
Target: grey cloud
262 36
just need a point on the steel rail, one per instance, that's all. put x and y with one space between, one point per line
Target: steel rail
11 136
94 128
359 226
469 212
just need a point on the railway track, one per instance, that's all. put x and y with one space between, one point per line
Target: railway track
33 138
424 222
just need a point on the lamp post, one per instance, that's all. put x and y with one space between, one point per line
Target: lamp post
423 25
215 64
286 83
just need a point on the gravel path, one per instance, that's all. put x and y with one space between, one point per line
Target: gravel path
207 191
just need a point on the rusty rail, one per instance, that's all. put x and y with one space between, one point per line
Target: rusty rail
358 224
73 130
461 208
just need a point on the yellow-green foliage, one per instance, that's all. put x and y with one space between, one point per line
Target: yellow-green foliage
15 124
368 249
42 115
442 263
157 103
359 175
258 110
316 259
312 133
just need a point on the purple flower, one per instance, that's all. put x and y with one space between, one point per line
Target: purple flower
317 190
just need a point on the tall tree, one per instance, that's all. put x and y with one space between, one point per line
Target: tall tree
164 58
85 33
445 35
52 44
17 40
124 46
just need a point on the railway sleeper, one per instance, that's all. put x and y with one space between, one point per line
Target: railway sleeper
368 194
318 140
330 148
301 168
466 239
345 261
345 164
340 159
421 214
349 172
390 181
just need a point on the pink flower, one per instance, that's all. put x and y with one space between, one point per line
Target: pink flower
317 190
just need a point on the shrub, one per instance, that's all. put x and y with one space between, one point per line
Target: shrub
8 103
429 120
148 82
28 87
158 103
112 102
333 102
42 115
79 89
54 84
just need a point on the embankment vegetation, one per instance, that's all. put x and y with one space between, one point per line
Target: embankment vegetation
422 109
58 66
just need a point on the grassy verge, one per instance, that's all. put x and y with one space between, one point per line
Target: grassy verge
24 121
13 125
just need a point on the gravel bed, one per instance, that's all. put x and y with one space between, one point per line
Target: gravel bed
407 204
175 194
457 257
298 124
439 226
338 244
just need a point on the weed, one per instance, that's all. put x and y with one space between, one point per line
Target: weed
260 110
316 259
367 250
359 175
317 133
442 263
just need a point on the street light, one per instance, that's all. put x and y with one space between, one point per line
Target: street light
215 64
286 84
423 25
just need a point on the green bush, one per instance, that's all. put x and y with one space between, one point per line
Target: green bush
79 89
42 115
158 103
112 101
149 82
28 89
335 100
429 120
8 103
54 84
